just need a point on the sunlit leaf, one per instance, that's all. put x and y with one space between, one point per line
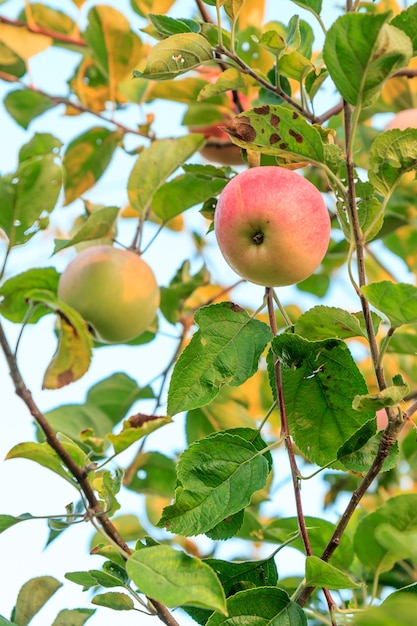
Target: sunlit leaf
114 600
86 158
134 430
28 196
23 42
73 617
175 578
99 224
323 322
116 49
175 55
155 164
14 304
32 596
43 454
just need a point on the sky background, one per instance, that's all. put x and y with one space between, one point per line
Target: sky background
24 485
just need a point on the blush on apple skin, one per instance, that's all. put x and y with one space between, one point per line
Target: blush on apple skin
272 226
404 119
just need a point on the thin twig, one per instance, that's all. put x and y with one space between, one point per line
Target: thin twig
38 30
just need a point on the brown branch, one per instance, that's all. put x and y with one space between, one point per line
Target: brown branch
70 103
38 30
285 433
79 473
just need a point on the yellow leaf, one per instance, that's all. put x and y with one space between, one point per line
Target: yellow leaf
24 43
252 13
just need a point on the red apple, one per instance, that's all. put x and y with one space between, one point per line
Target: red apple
403 119
272 226
114 290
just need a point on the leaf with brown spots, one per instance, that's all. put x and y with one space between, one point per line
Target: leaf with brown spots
277 131
73 355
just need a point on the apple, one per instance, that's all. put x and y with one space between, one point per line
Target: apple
404 119
272 226
114 290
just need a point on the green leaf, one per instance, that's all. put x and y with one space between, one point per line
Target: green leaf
397 609
398 301
229 79
25 104
155 474
114 600
319 532
262 606
231 574
321 574
40 144
278 131
85 579
73 617
7 521
32 596
359 451
399 512
182 285
225 350
43 454
320 380
86 158
392 153
135 428
174 578
391 396
73 355
114 46
184 192
27 196
324 322
227 528
155 164
406 21
361 51
311 5
176 55
14 305
99 224
402 544
217 477
167 26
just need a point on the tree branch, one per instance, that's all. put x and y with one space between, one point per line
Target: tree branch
79 473
38 30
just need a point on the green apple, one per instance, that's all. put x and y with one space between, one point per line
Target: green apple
272 226
114 290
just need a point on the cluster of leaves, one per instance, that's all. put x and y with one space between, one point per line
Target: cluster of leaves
231 370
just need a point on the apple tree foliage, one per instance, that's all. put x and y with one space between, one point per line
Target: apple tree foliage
306 383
